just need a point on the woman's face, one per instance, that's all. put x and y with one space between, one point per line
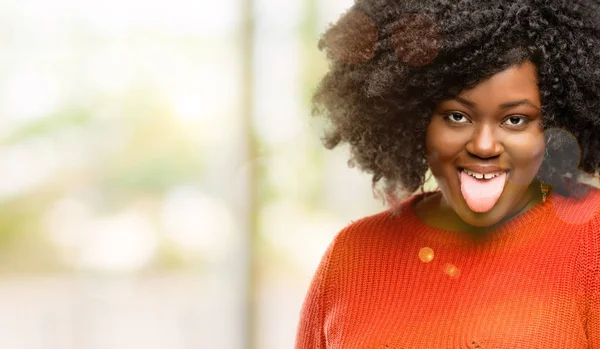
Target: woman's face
493 130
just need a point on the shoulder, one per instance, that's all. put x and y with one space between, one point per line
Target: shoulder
365 228
379 223
374 231
583 214
579 210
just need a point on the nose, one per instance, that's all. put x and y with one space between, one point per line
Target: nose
484 142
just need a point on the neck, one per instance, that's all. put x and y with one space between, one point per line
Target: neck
530 198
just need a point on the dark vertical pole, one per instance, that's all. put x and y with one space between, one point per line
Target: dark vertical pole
251 206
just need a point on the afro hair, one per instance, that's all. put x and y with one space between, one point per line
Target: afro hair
391 62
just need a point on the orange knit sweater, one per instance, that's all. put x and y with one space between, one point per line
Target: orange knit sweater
389 281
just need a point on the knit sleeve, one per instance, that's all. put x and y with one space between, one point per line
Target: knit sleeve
311 327
592 281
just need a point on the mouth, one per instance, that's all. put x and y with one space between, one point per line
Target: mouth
481 175
481 191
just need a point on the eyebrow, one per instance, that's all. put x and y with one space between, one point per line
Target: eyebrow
503 105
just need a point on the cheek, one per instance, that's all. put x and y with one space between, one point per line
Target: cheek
442 141
536 151
527 158
442 148
433 149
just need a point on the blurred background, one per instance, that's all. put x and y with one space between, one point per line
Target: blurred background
162 184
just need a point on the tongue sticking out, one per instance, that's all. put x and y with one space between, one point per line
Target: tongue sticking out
481 194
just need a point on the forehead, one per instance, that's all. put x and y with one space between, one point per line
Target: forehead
515 82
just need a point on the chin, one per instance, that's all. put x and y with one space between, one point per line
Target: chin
480 219
481 223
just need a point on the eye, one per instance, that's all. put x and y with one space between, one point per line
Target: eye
517 120
456 117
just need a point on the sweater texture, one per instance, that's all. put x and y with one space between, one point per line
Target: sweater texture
390 281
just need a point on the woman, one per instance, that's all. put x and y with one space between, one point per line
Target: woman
499 99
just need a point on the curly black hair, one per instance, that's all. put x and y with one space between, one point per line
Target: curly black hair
391 62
